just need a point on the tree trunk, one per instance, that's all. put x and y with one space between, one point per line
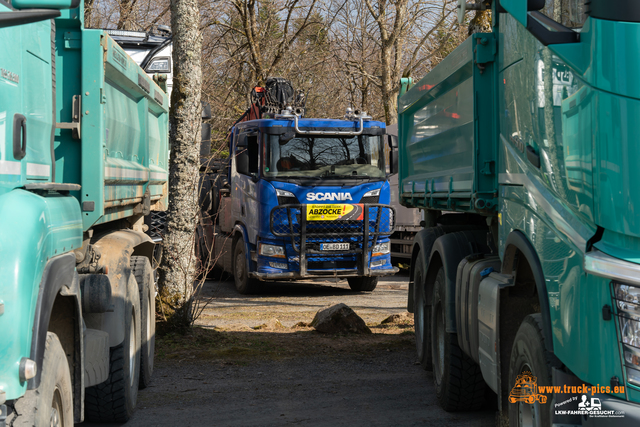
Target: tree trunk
481 22
179 263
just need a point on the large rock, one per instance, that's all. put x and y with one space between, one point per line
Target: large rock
339 318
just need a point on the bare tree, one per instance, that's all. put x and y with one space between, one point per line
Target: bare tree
178 268
405 28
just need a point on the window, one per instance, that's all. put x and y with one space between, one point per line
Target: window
247 154
570 13
324 156
159 65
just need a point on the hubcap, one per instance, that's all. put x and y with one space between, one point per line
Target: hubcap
132 349
240 266
529 413
56 409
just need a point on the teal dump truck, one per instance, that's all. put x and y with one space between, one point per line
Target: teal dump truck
83 159
520 148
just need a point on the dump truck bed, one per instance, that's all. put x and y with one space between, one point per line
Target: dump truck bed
447 133
121 157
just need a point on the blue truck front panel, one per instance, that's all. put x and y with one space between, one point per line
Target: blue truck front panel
258 201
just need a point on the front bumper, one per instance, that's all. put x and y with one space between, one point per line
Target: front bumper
324 274
362 228
631 416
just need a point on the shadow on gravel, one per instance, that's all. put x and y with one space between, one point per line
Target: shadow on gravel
312 288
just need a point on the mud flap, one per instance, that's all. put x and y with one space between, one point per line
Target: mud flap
488 333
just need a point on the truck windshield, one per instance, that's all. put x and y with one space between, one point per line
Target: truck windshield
324 157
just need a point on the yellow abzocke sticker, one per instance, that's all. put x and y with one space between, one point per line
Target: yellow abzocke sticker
334 212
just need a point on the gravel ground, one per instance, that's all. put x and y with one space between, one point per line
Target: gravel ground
242 367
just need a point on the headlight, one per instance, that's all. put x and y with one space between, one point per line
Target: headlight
271 251
628 304
381 249
284 193
280 265
372 193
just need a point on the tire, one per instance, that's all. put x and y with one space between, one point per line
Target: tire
529 354
51 404
244 284
362 284
458 379
115 399
142 271
422 316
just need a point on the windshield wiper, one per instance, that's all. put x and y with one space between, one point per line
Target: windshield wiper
345 176
298 177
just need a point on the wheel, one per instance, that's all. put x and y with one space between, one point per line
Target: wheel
458 379
360 284
244 284
51 404
142 271
115 399
422 315
529 354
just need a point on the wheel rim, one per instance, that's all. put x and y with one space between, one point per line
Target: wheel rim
149 326
132 350
528 413
419 316
439 356
56 409
240 266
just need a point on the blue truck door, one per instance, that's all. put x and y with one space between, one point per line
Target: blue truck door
244 175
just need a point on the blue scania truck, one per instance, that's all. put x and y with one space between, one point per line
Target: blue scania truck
303 198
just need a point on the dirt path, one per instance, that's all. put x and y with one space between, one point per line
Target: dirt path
226 373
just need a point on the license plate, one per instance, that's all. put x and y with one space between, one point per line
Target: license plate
334 246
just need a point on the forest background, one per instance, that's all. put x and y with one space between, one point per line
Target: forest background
341 53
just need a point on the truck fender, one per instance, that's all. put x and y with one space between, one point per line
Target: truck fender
59 272
448 250
60 279
517 243
239 229
116 249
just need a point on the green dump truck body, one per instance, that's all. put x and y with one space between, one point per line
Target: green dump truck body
83 142
125 116
535 134
451 108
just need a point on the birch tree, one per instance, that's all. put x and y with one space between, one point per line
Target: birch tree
178 269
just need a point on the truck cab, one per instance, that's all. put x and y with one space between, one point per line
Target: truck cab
304 195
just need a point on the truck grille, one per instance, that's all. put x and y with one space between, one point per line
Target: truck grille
287 200
288 221
371 199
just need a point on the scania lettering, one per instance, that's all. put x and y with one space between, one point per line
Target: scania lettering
521 148
299 197
328 197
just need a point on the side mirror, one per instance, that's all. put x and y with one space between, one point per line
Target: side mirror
206 111
205 142
393 154
242 162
